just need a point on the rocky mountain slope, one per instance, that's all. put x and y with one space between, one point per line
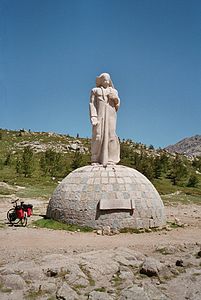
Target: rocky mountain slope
42 141
16 141
189 146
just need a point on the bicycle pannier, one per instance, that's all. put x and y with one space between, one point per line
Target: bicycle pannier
19 212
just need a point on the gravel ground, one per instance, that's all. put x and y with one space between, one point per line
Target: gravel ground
167 247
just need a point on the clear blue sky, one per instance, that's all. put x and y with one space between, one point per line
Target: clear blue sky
52 50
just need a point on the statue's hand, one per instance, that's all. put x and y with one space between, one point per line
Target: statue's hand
116 107
94 121
114 99
113 96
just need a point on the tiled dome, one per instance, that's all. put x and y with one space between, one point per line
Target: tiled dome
115 196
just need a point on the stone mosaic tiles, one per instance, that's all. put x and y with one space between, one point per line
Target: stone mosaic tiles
115 196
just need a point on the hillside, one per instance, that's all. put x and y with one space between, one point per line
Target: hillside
190 147
42 141
37 161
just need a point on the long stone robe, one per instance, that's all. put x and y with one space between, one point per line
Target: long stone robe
105 146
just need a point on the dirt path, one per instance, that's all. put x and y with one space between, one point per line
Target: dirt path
27 242
30 242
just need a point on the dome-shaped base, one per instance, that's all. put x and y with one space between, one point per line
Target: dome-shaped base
115 196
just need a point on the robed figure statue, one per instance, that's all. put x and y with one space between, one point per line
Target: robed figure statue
104 103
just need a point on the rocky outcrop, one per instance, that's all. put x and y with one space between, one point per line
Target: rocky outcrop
38 146
105 275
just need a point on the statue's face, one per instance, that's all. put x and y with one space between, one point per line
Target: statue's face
106 81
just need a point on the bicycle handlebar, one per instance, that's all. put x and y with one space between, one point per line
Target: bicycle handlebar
15 201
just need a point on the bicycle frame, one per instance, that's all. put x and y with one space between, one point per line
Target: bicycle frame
19 213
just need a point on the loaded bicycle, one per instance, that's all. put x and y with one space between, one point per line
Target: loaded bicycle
19 213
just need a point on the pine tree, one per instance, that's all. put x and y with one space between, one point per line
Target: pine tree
18 167
27 161
157 167
51 163
125 151
77 160
178 171
197 163
193 181
165 162
1 164
25 164
8 160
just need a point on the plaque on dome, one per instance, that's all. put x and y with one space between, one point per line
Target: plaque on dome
106 204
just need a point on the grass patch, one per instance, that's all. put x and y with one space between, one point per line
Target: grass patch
182 198
2 225
79 286
32 295
88 274
52 224
5 191
165 187
174 225
4 289
102 289
35 186
36 191
116 280
63 273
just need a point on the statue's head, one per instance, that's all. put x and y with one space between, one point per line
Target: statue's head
104 80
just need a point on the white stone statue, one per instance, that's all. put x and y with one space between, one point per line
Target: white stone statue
104 104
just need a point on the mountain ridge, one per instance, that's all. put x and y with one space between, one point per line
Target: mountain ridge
189 146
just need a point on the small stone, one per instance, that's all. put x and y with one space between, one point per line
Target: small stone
174 271
66 293
106 230
134 292
168 228
99 231
13 281
176 220
95 295
180 224
150 267
51 273
179 263
169 249
115 231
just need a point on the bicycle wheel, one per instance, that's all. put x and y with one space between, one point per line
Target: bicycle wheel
10 212
23 221
12 216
